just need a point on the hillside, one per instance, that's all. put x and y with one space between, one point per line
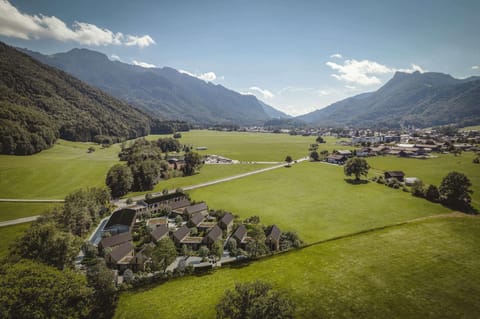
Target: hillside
164 92
420 99
40 104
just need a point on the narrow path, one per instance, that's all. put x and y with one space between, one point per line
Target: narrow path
21 200
18 221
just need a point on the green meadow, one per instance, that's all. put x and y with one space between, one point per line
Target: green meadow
244 146
427 269
433 170
314 200
53 173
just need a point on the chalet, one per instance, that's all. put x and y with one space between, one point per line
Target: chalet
240 235
398 175
196 219
159 232
121 221
336 159
273 238
172 201
213 235
226 223
180 234
346 153
197 208
121 256
114 241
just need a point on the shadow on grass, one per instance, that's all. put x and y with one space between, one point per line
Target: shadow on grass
355 181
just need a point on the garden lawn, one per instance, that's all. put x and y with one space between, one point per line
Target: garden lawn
56 172
8 235
245 146
207 173
314 200
9 210
428 269
432 171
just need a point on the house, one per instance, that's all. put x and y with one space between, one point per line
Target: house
240 235
398 175
213 235
121 221
226 223
409 181
197 208
346 153
336 159
159 232
114 241
175 162
196 219
121 256
172 201
180 234
273 238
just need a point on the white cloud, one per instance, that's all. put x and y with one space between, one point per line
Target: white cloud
15 24
475 67
265 93
207 76
115 57
365 72
141 42
336 56
144 64
360 72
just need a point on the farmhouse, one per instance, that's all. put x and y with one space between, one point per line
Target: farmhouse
273 238
240 235
398 175
172 201
213 235
197 208
226 223
114 241
121 221
336 159
120 256
180 234
196 219
159 232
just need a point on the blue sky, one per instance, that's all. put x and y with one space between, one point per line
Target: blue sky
297 56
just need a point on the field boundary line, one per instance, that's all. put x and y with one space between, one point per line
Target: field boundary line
21 200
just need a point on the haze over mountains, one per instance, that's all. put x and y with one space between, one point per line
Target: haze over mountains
163 92
419 99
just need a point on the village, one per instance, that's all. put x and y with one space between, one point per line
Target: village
203 238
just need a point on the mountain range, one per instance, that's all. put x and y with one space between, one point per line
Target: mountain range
162 92
418 99
39 103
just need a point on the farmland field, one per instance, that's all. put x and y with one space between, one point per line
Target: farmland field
428 269
314 200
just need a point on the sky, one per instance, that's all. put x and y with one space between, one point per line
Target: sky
297 56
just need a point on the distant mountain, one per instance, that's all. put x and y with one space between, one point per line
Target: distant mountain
164 92
39 103
420 99
273 113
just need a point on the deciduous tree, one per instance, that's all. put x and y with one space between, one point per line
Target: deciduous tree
119 180
356 166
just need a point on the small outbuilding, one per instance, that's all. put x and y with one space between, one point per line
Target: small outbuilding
398 175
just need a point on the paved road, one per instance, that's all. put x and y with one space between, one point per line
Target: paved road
18 221
21 200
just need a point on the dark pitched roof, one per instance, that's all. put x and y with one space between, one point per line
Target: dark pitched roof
274 233
164 198
121 251
215 233
115 240
240 233
122 217
181 233
159 232
336 157
197 218
196 208
395 173
227 219
179 203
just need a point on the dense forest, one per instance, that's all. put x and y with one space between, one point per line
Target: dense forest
40 104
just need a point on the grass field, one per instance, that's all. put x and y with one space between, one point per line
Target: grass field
244 146
432 171
8 235
471 128
314 200
429 269
55 172
10 211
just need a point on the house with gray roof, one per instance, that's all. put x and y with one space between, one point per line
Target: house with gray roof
121 221
213 235
273 237
226 223
159 232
